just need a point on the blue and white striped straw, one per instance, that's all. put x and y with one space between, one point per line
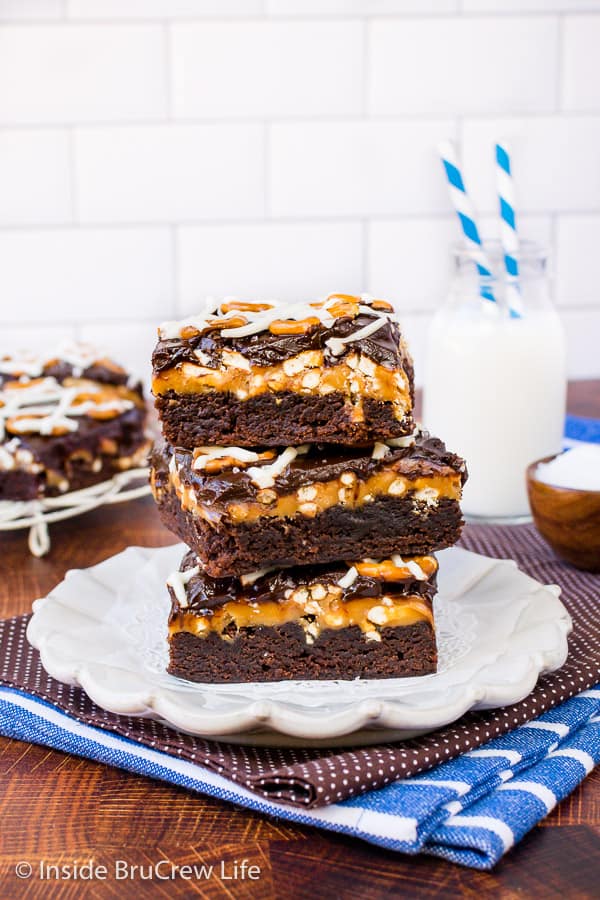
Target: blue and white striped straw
508 228
466 215
506 195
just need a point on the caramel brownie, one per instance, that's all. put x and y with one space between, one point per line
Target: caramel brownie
241 510
67 420
370 619
251 374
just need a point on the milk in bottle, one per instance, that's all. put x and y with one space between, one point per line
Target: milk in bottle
495 382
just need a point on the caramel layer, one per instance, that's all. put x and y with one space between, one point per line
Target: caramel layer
357 376
312 499
368 613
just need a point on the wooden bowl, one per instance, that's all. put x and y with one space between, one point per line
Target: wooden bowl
567 518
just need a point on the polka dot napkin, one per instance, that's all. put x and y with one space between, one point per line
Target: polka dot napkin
316 777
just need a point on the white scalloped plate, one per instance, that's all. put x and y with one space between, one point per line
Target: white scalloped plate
104 628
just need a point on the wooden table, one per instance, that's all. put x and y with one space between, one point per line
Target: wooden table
61 809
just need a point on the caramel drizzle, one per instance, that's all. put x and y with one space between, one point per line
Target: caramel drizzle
370 614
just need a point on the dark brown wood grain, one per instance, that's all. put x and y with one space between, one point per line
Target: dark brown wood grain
57 809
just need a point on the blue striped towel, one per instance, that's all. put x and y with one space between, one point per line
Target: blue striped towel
470 810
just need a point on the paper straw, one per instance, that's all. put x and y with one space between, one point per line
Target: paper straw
508 228
466 215
506 195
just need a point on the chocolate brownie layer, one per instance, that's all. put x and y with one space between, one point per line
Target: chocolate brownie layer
216 418
320 504
60 431
385 526
21 484
281 653
336 370
77 475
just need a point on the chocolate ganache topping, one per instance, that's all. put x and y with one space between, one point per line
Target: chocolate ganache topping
90 436
426 456
267 349
267 334
204 594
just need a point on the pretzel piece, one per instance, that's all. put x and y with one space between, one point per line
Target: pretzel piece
291 326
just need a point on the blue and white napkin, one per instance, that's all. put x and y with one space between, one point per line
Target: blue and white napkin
470 810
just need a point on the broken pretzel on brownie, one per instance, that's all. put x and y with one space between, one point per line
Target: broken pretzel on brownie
247 374
68 420
370 618
241 510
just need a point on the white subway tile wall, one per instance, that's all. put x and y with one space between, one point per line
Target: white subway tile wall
161 9
270 260
267 69
577 244
581 85
36 10
35 177
154 152
169 173
84 274
359 168
429 66
81 73
556 160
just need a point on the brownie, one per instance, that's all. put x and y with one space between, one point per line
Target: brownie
249 374
371 619
76 360
242 510
66 422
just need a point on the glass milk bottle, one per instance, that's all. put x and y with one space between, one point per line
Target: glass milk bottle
495 378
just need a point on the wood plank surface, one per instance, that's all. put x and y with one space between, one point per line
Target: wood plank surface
56 809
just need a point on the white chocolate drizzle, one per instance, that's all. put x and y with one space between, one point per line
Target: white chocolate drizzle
251 577
337 345
406 441
78 355
46 406
260 320
264 476
179 580
205 454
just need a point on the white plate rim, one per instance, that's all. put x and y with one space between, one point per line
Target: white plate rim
514 669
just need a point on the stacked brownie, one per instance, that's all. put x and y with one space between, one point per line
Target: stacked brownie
310 502
69 418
